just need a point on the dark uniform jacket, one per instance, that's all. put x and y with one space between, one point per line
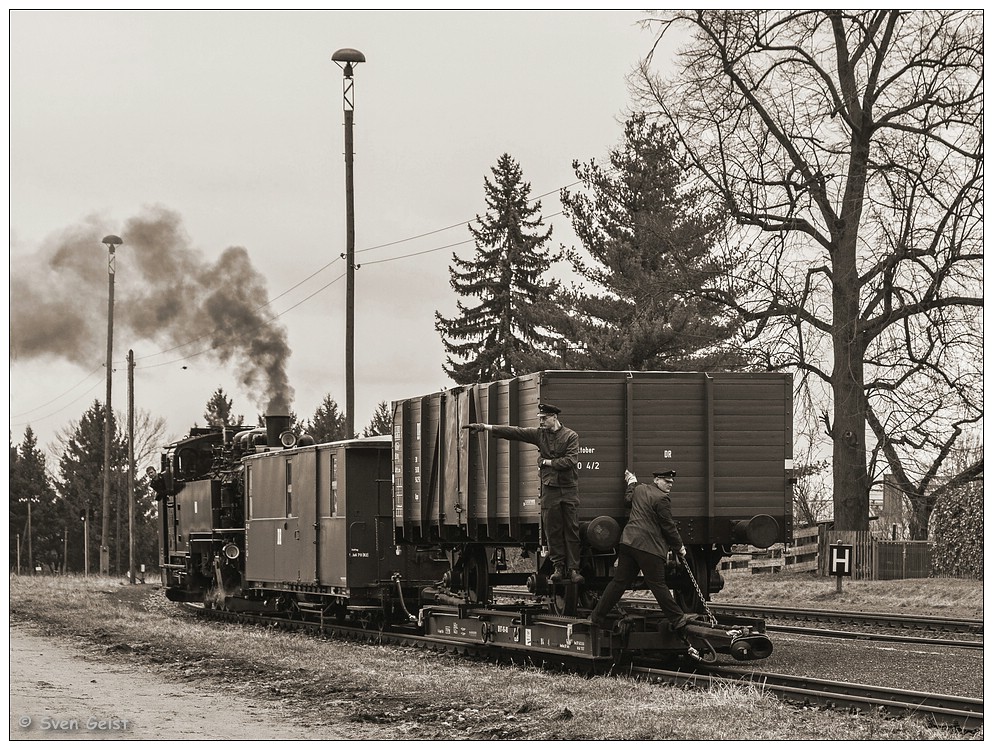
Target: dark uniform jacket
561 447
650 527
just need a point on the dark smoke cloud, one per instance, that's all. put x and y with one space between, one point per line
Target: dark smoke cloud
165 292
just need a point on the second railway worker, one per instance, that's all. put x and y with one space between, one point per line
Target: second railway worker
559 469
645 543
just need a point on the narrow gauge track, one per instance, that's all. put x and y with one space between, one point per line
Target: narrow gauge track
888 621
942 710
879 619
873 637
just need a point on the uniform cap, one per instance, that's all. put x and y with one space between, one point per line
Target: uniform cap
667 473
548 410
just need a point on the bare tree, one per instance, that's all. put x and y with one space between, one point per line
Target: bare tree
848 149
149 438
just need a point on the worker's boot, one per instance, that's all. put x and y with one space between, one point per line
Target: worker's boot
575 577
558 575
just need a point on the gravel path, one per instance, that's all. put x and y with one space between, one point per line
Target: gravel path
60 692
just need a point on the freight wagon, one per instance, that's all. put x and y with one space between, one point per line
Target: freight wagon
727 435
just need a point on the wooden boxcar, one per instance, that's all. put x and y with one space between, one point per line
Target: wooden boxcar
727 435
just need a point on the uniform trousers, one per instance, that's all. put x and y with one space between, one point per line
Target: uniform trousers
560 519
629 562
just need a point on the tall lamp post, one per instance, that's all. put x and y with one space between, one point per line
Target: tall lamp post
346 59
111 241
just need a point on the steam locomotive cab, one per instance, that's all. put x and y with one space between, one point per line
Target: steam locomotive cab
201 511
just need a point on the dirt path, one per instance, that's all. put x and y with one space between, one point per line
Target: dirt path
58 692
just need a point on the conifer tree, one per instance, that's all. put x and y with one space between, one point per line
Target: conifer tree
219 411
502 334
328 423
651 245
30 484
81 477
382 421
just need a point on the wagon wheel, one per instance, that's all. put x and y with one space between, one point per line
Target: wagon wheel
476 573
563 599
588 598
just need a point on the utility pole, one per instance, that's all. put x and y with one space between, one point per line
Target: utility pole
30 556
131 465
350 58
111 241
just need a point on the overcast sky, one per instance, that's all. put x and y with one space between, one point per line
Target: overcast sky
230 124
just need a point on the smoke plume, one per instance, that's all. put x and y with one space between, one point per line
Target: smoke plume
165 293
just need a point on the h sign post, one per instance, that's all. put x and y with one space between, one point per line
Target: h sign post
841 561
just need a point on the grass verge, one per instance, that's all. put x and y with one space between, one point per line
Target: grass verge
371 691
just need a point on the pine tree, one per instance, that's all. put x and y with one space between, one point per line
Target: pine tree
651 244
503 334
30 484
219 411
382 422
81 479
328 423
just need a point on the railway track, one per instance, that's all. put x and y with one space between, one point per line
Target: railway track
924 629
873 637
942 710
876 619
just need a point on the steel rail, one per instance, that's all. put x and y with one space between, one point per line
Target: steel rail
872 637
947 710
915 622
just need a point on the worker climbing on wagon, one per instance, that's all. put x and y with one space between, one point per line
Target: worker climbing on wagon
645 543
559 470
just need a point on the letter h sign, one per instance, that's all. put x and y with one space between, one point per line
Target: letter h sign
842 559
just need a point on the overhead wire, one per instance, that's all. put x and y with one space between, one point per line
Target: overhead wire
330 283
292 307
51 401
60 409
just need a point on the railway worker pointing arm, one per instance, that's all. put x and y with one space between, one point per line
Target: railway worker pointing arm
645 542
559 470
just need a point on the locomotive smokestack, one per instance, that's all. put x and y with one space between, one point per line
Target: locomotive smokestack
277 421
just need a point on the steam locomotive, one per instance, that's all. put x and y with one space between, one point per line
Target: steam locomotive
426 529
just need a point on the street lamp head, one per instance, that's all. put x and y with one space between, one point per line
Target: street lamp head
349 57
111 241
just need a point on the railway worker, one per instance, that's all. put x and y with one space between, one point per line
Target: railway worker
645 543
559 470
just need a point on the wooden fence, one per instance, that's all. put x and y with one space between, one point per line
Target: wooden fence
894 560
873 558
800 556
